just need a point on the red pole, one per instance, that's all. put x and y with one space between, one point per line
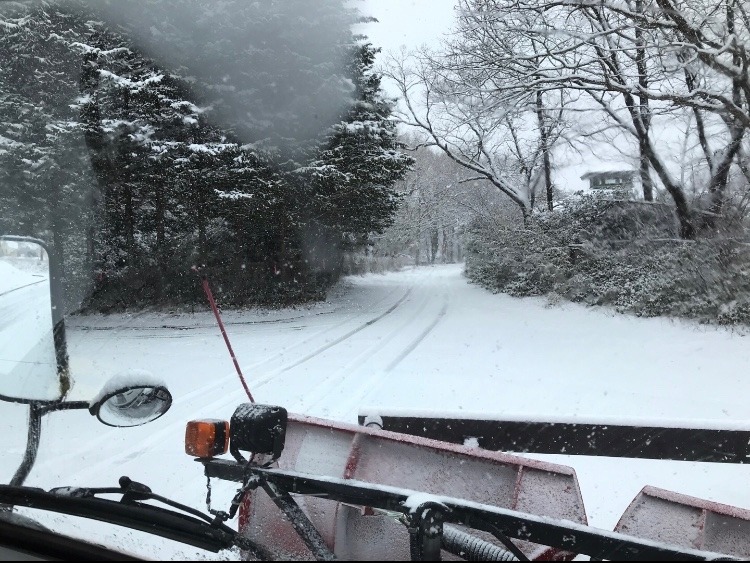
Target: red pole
215 309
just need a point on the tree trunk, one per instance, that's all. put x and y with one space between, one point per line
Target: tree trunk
434 244
526 214
718 184
720 176
687 229
129 223
447 251
645 173
544 141
90 116
160 211
90 247
684 217
644 111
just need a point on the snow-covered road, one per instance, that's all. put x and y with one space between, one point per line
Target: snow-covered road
419 339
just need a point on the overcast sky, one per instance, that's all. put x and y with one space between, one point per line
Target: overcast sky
412 23
408 23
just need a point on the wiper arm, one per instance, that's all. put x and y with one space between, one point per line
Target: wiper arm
195 529
131 492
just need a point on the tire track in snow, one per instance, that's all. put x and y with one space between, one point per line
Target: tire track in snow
418 340
154 439
321 391
261 381
350 333
226 399
354 401
15 308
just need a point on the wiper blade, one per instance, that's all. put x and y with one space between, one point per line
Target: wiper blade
155 520
131 491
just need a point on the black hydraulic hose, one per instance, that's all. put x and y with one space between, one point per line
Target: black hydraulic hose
472 548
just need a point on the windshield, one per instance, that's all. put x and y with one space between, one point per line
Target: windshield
527 212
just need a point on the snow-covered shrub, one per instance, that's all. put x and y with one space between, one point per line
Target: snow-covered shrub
618 254
516 261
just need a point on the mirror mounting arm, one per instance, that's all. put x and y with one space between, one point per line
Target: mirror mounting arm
37 409
64 406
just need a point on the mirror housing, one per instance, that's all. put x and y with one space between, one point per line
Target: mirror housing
133 405
33 352
131 399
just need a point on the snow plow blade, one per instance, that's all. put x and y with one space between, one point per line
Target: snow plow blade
647 440
692 522
333 450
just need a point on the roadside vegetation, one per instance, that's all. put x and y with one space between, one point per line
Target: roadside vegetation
520 89
278 175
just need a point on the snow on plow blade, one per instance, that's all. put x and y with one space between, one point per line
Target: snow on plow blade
330 449
692 522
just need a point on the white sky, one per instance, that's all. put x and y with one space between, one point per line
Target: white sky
413 23
408 23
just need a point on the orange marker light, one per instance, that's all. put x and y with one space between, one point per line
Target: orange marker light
206 438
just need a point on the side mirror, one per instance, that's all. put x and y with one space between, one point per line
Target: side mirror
131 406
33 360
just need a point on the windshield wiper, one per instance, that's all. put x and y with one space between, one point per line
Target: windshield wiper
189 526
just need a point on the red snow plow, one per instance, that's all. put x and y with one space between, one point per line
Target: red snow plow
316 489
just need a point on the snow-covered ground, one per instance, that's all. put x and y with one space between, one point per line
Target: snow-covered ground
420 339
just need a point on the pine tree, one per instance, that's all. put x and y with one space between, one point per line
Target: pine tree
46 178
350 183
261 158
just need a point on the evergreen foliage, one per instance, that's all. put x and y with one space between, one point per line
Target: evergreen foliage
137 163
